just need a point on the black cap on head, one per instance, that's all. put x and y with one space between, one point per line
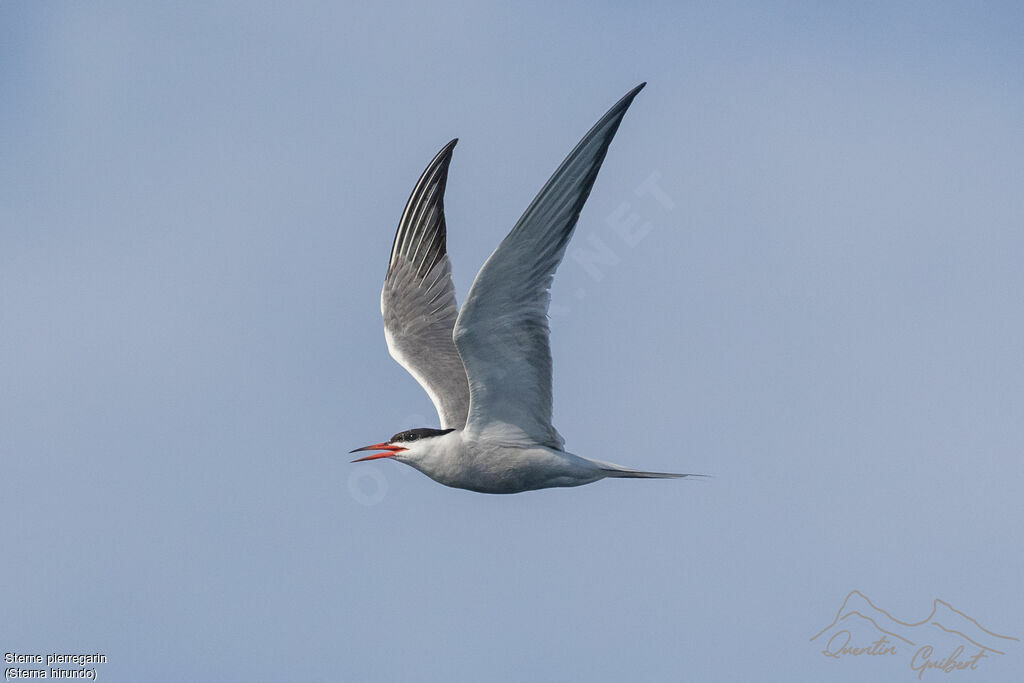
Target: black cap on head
417 434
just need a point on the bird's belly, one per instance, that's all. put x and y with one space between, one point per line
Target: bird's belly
513 470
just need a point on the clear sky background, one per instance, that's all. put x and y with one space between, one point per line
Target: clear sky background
821 306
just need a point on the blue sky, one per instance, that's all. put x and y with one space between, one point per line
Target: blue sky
820 306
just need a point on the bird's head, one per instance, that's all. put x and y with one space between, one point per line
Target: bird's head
402 445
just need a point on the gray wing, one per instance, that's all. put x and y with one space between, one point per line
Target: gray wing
418 300
502 332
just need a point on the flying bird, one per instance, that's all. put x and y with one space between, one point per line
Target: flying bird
487 367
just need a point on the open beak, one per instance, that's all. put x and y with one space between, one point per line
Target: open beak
391 451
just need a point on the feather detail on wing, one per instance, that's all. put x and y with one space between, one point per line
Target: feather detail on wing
418 299
502 331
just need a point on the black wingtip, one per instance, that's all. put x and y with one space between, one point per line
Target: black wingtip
445 152
422 222
627 99
447 149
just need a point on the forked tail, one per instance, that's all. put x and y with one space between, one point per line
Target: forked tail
612 470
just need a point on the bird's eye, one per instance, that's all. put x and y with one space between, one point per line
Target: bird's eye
411 437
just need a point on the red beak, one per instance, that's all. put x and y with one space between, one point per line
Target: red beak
392 451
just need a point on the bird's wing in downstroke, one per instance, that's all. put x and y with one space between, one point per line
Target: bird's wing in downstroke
418 299
502 331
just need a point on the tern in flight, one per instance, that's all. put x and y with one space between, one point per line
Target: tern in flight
487 368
